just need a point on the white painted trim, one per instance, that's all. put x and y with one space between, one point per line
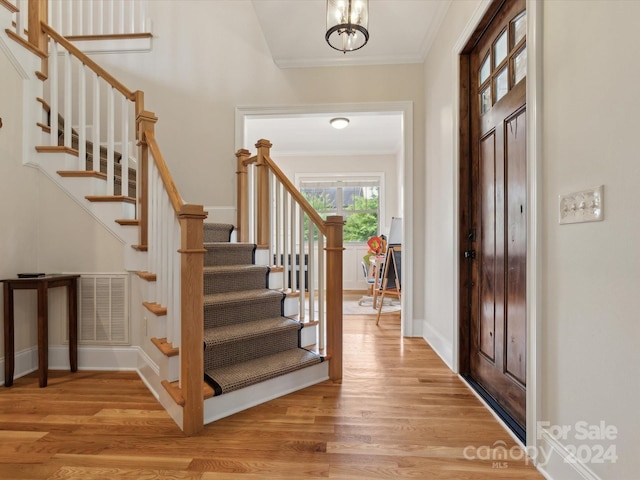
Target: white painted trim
25 362
93 357
117 358
224 405
534 219
438 344
408 326
114 45
554 457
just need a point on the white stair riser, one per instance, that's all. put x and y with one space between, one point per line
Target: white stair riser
224 405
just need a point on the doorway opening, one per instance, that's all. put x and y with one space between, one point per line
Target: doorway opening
297 132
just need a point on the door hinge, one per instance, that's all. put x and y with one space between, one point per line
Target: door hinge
469 254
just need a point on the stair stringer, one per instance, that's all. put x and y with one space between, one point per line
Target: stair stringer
153 366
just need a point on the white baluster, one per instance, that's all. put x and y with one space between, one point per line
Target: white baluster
95 134
300 259
82 117
110 139
285 241
80 18
90 18
124 159
67 99
53 92
310 268
321 292
111 28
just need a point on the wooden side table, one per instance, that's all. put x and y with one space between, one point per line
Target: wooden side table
42 285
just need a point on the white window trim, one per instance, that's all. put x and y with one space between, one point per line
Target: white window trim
378 176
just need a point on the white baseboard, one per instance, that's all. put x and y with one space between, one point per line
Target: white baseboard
439 345
557 462
89 358
25 362
95 357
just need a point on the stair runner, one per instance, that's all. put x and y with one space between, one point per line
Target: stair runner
247 339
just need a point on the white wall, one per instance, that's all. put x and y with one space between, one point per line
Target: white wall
590 273
18 206
441 181
43 230
195 77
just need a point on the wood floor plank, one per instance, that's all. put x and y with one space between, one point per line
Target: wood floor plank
399 413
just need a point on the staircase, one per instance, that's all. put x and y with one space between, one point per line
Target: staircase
222 315
247 338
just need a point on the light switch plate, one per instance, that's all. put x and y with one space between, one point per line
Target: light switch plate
583 206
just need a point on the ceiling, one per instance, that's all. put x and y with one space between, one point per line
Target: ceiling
401 31
368 133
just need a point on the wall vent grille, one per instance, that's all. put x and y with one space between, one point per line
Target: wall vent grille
103 313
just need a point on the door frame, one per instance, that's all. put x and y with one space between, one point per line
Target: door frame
534 220
408 326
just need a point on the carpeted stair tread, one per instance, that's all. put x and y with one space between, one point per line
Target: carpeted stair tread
230 278
240 307
226 253
217 232
234 377
242 296
257 328
242 342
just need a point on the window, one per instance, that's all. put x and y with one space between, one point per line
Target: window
355 199
504 65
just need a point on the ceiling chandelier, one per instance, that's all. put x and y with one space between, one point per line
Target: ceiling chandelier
347 23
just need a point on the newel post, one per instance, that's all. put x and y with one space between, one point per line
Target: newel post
37 14
191 218
242 224
146 122
334 249
262 196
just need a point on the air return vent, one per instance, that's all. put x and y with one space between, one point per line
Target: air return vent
103 313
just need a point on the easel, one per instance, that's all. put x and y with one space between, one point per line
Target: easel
391 276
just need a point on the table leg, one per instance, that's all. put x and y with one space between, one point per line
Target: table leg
43 334
72 306
9 360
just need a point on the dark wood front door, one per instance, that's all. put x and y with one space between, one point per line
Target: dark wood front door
496 215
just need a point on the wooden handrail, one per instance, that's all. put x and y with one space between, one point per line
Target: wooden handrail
299 198
165 175
9 6
101 72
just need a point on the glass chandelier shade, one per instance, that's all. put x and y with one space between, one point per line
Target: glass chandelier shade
347 24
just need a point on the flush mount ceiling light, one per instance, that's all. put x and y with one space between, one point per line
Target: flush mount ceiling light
339 123
347 24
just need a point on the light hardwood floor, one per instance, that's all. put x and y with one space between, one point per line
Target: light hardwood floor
399 413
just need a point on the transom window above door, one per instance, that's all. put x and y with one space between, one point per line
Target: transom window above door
505 63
